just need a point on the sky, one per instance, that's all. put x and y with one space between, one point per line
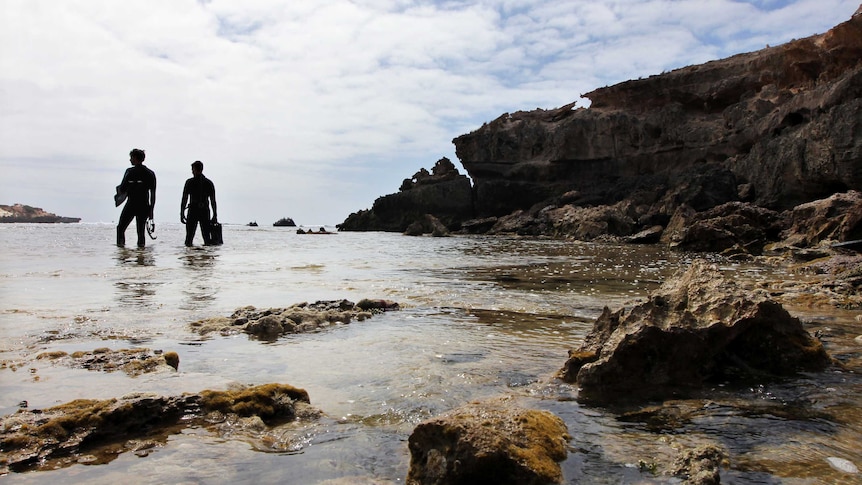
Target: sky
311 109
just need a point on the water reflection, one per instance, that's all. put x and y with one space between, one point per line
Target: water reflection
135 287
201 289
135 256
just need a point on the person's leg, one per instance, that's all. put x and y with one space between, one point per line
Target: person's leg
126 217
205 228
191 225
141 226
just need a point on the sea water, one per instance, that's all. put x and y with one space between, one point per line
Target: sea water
481 317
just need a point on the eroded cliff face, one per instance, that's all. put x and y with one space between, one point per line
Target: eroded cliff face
776 127
444 193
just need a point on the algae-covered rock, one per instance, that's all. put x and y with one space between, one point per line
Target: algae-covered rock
488 442
271 323
59 436
133 362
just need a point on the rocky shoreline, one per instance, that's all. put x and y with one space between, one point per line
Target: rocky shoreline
698 329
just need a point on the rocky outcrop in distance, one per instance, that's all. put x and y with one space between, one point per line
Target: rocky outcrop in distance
25 213
699 327
444 193
767 131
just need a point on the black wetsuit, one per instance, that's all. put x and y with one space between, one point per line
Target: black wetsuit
137 183
199 189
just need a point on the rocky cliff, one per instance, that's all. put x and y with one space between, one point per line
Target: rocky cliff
25 213
776 127
443 192
762 131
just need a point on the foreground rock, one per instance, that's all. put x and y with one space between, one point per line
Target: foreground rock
25 213
79 430
489 442
698 327
268 324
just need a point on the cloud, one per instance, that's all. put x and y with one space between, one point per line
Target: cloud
314 109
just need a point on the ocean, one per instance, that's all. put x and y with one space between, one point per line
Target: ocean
481 317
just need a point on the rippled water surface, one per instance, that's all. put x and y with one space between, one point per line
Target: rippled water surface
481 317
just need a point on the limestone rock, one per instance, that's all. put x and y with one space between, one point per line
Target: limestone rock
271 323
734 224
428 224
444 193
56 436
698 327
776 127
488 442
133 362
836 218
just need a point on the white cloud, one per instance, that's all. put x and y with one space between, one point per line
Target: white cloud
313 109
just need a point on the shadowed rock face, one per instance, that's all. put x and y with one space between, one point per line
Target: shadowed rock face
444 193
698 327
784 122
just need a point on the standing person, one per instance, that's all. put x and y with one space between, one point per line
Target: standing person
139 187
199 192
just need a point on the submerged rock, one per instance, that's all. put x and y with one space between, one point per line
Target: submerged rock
698 327
133 362
60 435
269 324
488 442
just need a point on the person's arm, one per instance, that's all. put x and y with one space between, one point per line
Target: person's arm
124 184
183 203
153 198
213 202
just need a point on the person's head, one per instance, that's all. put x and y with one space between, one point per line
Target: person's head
197 167
137 156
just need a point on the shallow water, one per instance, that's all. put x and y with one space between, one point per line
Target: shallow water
481 317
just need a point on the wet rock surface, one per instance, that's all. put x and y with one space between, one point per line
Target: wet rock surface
133 362
698 327
488 442
270 323
97 431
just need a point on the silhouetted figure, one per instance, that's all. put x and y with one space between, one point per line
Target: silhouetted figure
139 188
199 192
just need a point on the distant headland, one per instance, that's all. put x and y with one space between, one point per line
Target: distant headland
25 213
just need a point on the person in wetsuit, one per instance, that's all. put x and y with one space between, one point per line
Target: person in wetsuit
199 192
139 185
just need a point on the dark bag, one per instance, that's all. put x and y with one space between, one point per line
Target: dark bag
215 234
